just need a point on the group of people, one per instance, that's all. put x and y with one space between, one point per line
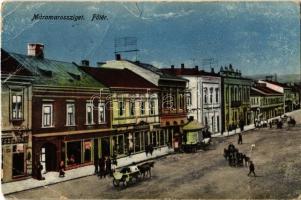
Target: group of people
103 167
237 159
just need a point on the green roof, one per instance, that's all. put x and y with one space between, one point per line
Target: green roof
56 73
193 125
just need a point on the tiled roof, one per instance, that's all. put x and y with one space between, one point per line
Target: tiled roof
55 73
9 65
276 83
118 78
188 71
162 74
263 91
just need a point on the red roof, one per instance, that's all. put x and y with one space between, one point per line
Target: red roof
119 78
276 83
262 90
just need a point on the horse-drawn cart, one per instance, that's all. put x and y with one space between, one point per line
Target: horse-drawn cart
132 174
126 176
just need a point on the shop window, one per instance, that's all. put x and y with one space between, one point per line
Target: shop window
101 113
120 144
146 141
87 150
154 138
126 143
137 142
47 120
17 107
74 153
18 160
132 108
142 107
70 114
89 113
162 138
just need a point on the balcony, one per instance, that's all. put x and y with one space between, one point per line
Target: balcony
235 104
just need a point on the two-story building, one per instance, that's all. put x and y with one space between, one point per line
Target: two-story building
172 102
285 90
68 113
16 123
265 102
236 98
203 95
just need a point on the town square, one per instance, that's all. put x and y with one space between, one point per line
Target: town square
151 100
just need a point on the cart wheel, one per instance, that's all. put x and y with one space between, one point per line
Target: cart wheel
116 182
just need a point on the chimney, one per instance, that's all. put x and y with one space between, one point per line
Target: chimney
85 63
182 66
212 70
36 50
196 67
172 67
117 57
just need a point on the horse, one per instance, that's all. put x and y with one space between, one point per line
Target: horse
145 168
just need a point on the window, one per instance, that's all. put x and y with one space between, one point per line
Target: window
89 113
205 95
47 115
227 95
17 107
152 107
70 120
188 98
121 108
118 144
217 123
137 142
181 96
216 95
132 108
101 113
206 121
162 138
211 94
142 108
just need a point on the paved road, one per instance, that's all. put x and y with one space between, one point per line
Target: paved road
277 158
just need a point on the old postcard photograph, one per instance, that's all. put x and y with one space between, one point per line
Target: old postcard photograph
150 100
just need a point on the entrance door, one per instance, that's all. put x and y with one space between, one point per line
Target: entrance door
49 158
105 146
18 160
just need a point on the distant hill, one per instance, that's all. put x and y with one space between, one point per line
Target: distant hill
283 78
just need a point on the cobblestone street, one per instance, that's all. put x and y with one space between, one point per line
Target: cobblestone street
204 174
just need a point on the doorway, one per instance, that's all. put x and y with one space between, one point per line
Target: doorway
48 157
105 146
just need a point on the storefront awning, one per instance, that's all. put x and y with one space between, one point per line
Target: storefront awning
193 125
65 133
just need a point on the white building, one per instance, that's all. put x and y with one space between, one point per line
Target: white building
203 96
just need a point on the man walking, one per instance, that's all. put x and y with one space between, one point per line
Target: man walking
251 169
239 138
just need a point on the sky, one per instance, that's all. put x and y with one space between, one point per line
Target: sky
255 37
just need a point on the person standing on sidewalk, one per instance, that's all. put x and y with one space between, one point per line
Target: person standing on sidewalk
251 169
239 138
96 165
62 169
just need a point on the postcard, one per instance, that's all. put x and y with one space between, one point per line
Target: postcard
150 100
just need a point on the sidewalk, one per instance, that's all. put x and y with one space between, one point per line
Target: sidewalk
50 178
226 134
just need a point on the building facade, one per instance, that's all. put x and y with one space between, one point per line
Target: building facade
203 95
16 123
236 98
135 114
265 103
69 114
172 102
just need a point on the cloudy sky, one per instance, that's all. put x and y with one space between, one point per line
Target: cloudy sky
255 37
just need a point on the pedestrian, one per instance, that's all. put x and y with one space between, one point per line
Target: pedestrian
39 168
239 138
101 169
251 169
108 166
62 169
96 165
271 124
